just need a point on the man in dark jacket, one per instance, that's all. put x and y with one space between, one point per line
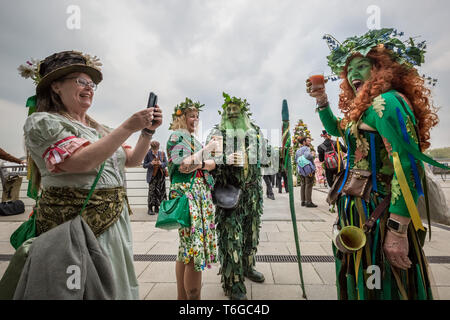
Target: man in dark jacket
329 147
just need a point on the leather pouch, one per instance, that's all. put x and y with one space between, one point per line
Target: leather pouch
358 184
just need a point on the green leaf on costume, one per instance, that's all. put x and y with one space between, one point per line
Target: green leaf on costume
228 270
395 190
387 168
235 256
363 164
378 105
411 130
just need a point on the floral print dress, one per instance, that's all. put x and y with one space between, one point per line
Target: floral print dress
199 242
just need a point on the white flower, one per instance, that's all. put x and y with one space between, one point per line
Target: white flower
92 61
25 71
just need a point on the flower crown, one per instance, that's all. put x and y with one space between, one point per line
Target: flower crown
404 52
243 104
181 108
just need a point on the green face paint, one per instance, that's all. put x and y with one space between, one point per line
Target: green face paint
358 71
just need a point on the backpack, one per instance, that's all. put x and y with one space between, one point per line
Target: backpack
331 159
304 167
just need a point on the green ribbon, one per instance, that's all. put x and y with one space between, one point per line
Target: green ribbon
31 105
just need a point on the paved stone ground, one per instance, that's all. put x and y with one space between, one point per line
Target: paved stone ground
157 279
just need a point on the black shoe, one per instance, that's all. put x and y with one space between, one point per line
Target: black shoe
311 205
271 196
254 275
150 212
303 203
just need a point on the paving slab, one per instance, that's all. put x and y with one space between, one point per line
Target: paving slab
276 292
144 289
140 266
143 247
327 272
444 293
273 247
211 276
159 272
212 291
321 292
165 247
162 291
287 273
441 275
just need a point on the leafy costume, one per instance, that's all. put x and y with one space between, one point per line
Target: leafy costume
393 156
238 229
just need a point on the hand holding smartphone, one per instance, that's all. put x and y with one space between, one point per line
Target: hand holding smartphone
152 101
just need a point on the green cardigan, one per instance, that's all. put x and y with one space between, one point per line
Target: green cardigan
386 114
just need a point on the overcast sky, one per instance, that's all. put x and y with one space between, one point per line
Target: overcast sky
259 50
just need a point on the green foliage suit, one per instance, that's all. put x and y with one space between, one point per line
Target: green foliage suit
238 229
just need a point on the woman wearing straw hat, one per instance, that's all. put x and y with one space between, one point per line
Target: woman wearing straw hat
68 147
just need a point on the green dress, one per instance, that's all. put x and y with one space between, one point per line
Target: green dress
387 153
51 138
199 242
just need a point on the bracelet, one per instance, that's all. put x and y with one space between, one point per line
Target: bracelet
398 234
203 164
321 108
147 133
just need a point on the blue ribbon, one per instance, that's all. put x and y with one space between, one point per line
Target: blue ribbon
365 208
373 163
411 158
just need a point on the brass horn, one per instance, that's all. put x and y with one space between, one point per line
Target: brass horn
348 239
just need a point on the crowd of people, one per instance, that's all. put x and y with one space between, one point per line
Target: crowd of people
75 160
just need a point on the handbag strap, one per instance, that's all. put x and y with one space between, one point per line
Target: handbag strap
92 188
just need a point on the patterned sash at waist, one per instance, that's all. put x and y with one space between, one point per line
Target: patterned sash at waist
60 204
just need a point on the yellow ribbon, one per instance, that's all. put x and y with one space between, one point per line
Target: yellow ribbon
409 200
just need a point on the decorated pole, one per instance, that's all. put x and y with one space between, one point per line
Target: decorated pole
286 143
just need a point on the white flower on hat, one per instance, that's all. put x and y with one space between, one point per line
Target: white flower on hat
30 70
93 62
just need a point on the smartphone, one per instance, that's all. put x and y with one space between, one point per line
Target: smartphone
152 101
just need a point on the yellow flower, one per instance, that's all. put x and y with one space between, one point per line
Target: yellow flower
186 260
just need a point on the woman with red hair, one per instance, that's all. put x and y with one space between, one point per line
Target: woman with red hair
387 120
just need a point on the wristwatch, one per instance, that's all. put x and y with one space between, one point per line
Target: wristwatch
396 226
148 131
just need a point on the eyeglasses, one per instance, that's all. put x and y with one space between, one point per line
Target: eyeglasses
84 83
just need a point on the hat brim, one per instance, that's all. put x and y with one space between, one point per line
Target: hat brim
45 82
